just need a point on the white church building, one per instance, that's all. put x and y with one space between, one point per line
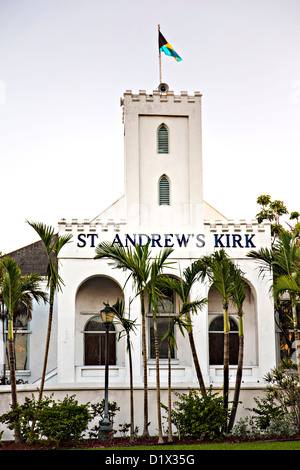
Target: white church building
163 202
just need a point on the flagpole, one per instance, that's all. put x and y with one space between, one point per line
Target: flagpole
159 56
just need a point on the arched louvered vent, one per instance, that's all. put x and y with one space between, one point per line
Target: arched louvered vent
164 191
163 139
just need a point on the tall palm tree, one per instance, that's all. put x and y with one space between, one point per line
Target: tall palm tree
154 296
172 345
16 290
283 263
219 271
182 287
128 326
238 297
136 260
53 244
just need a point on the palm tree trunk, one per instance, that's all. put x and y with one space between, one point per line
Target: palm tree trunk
296 336
239 374
51 304
131 391
226 359
170 436
145 431
160 437
13 384
195 357
50 318
4 347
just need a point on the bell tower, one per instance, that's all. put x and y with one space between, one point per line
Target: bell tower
163 160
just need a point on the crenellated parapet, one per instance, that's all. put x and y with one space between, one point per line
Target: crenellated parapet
157 98
97 225
241 235
236 226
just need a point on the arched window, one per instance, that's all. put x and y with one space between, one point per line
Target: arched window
94 343
162 139
216 341
164 191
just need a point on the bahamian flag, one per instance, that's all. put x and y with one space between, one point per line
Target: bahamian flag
165 47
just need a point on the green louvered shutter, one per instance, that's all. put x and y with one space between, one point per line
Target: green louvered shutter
164 191
163 139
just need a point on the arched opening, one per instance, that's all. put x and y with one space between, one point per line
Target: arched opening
162 139
91 296
215 311
164 191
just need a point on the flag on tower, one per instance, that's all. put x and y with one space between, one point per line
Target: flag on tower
165 47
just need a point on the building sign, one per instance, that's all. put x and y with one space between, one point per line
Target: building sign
171 240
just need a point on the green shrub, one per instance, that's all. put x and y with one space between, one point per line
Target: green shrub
278 412
24 415
198 416
56 421
63 421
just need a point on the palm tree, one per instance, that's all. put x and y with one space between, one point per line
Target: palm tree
219 271
155 295
15 291
283 263
128 326
182 287
53 244
172 345
136 260
238 297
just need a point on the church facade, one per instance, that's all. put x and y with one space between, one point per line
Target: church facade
163 202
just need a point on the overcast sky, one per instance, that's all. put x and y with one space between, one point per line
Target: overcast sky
64 64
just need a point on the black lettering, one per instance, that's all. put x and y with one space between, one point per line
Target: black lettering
182 241
117 240
218 240
155 240
249 240
141 235
92 235
200 240
80 237
132 241
237 240
168 240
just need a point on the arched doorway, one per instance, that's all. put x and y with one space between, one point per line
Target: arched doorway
90 331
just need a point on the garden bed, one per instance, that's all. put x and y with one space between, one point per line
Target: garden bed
125 442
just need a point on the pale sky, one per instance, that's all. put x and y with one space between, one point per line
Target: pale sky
64 64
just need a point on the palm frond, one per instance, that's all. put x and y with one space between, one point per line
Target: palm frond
287 283
53 243
45 232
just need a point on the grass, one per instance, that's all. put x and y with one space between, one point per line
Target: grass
268 445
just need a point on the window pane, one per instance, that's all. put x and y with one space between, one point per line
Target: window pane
216 348
162 328
164 191
20 344
163 139
218 324
166 304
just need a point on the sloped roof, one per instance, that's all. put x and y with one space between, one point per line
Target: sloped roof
31 258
